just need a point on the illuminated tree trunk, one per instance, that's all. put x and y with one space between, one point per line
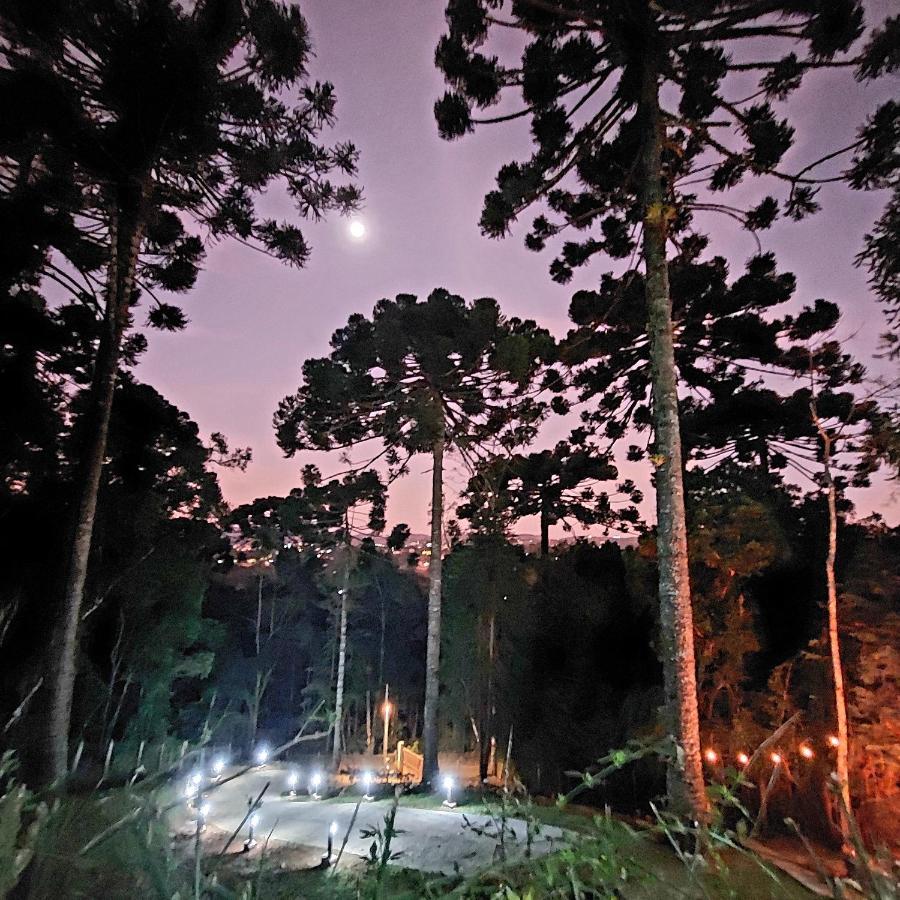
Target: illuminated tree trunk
686 790
126 232
433 647
842 751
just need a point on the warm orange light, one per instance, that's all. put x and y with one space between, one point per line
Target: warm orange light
776 758
806 751
833 741
711 756
387 709
742 758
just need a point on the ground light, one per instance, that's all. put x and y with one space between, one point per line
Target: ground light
367 785
252 823
332 831
293 778
314 784
262 755
202 816
192 789
448 787
218 766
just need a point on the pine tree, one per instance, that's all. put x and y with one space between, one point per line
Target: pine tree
147 115
429 376
612 159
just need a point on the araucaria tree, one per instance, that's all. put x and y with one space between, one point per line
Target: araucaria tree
153 117
627 103
429 376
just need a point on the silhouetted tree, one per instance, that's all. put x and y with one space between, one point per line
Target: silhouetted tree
157 115
422 377
622 99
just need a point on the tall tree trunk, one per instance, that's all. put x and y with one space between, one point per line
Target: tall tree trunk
342 664
685 785
842 751
126 232
433 647
545 528
258 611
487 716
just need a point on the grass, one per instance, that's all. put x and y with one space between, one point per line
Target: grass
605 856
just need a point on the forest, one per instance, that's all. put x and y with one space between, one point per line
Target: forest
687 675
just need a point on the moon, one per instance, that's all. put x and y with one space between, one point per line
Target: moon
357 229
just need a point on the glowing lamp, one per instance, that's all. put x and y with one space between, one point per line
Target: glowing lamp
218 766
776 758
262 755
806 751
833 741
711 756
742 758
448 787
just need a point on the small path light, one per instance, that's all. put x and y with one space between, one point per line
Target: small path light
367 785
218 766
806 751
833 741
293 778
332 831
202 816
776 758
252 824
448 787
262 755
314 784
192 789
711 756
742 758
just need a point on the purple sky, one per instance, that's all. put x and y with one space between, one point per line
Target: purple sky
253 321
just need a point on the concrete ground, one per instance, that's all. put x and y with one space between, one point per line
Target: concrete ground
430 840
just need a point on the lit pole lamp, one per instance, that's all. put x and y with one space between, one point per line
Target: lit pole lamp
367 785
387 722
448 787
315 783
252 824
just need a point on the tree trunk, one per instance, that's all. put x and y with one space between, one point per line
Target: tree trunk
686 791
341 666
545 529
258 611
433 648
842 751
126 232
